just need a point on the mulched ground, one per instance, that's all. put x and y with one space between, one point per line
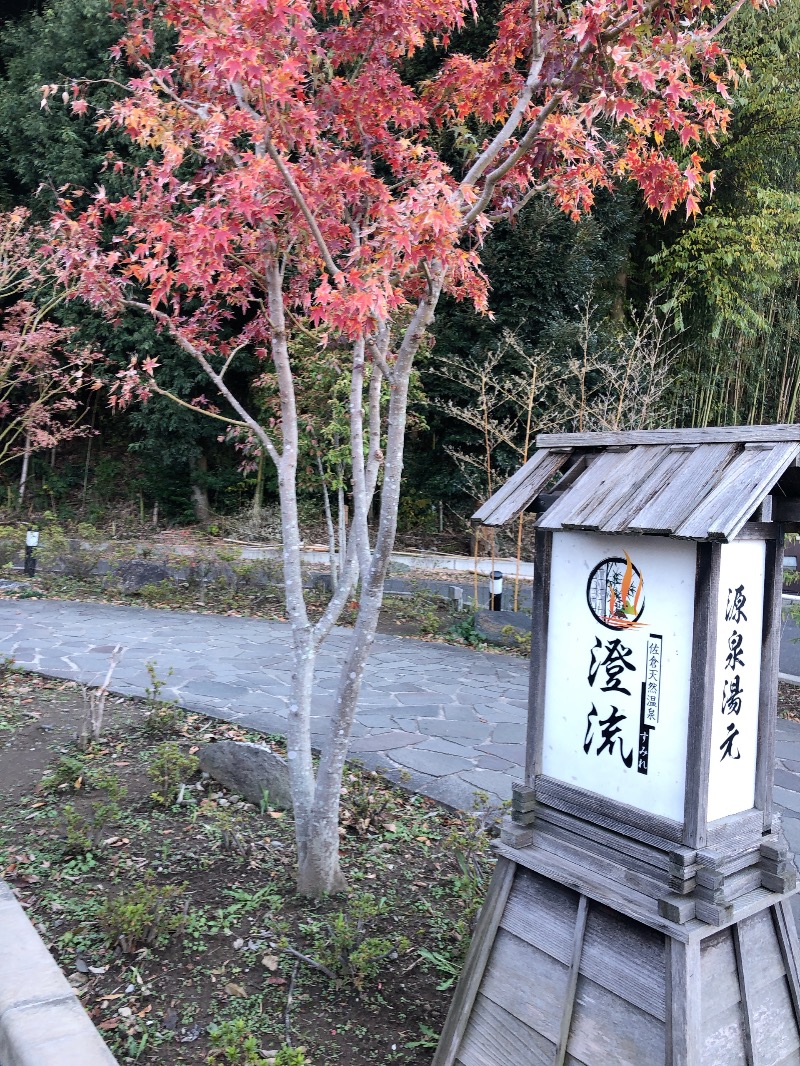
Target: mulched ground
177 922
788 700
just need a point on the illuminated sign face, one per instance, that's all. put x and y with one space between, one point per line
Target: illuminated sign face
619 655
737 677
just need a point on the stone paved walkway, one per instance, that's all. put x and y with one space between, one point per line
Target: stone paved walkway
450 718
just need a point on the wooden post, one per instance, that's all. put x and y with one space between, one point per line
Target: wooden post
472 975
683 986
701 694
540 611
768 694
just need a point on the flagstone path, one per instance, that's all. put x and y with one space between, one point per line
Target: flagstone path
448 721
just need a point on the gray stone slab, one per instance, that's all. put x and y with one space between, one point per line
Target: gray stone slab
787 779
513 753
434 763
509 733
788 799
491 762
491 781
427 710
395 738
457 732
791 827
215 689
418 699
447 747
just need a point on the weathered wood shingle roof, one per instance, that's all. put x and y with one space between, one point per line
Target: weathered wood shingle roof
693 484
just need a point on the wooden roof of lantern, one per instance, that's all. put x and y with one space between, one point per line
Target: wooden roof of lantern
695 484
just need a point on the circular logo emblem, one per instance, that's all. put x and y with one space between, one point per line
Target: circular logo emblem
615 593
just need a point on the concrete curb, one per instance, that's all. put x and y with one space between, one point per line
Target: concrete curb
42 1022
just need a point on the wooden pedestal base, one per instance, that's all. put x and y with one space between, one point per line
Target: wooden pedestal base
567 972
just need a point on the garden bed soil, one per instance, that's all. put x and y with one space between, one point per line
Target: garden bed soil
199 962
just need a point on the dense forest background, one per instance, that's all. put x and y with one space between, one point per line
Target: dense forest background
619 320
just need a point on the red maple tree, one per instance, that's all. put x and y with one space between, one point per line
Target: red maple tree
41 375
295 176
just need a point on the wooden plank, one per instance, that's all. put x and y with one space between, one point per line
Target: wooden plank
722 1039
768 1010
775 1033
557 845
655 876
572 983
528 983
627 958
605 838
619 897
606 1029
542 913
495 1036
683 1002
786 932
701 695
745 998
619 817
588 488
732 887
759 531
540 623
761 949
768 686
707 435
736 832
515 495
475 965
743 485
631 473
532 986
680 494
718 973
669 469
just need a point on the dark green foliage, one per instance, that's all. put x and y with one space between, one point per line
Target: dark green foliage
69 39
543 269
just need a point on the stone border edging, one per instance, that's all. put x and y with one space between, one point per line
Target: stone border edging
42 1022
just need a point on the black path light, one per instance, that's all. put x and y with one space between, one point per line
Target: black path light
639 912
496 591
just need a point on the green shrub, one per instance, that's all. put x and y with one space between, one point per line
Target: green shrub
233 1045
12 543
85 830
145 916
343 944
169 769
162 716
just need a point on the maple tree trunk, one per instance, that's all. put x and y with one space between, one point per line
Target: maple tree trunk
318 865
202 506
23 478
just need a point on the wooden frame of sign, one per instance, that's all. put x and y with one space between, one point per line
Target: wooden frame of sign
628 924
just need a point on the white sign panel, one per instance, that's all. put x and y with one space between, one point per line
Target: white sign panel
32 538
619 652
737 676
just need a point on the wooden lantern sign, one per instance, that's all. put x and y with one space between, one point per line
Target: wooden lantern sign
638 913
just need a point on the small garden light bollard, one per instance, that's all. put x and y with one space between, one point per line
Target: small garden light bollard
31 542
496 591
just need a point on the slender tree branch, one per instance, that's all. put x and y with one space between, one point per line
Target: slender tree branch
153 384
192 349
